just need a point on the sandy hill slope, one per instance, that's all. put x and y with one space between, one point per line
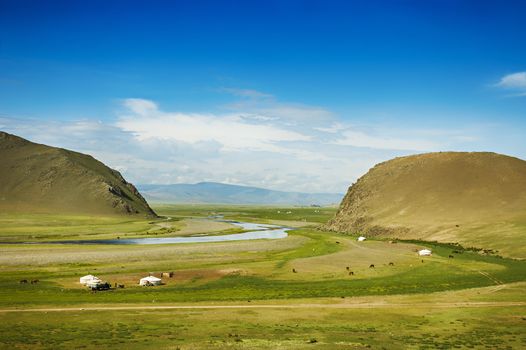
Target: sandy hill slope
213 192
36 178
476 199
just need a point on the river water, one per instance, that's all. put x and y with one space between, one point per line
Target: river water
256 231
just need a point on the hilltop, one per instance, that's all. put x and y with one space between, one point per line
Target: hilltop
36 178
476 199
219 193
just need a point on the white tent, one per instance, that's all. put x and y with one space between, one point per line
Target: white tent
93 283
424 252
88 278
150 281
361 239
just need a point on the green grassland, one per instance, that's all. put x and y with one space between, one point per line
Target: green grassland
35 227
311 215
15 227
411 327
248 274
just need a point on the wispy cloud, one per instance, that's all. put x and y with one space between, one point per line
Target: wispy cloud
297 113
141 106
361 139
256 104
334 128
232 132
514 82
246 93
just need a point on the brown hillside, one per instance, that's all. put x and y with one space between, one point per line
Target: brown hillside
36 178
477 199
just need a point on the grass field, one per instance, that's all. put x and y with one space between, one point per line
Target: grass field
403 302
388 327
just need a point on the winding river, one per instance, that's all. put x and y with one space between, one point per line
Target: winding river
255 231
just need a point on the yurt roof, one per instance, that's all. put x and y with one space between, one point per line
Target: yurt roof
151 278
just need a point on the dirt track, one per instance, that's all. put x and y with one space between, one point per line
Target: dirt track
277 306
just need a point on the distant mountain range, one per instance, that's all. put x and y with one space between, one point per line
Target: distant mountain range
219 193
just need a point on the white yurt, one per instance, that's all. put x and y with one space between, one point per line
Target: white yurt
88 278
424 252
93 283
150 281
361 239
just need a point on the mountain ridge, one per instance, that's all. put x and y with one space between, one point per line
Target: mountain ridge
36 178
473 198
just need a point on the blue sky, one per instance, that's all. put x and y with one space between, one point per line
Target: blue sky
300 95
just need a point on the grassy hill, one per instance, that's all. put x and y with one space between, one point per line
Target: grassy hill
36 178
476 199
213 192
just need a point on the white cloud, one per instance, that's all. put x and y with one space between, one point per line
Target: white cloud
334 128
267 106
514 82
361 139
232 132
297 113
246 93
141 106
258 117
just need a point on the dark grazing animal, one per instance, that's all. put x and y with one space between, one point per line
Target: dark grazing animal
391 264
294 270
23 281
451 256
348 267
351 273
371 266
34 281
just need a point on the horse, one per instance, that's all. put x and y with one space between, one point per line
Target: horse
351 273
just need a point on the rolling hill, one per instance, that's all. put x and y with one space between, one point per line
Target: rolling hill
36 178
218 193
476 199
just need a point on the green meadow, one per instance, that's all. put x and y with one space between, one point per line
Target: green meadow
312 289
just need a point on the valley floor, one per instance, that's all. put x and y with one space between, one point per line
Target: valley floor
467 319
312 289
